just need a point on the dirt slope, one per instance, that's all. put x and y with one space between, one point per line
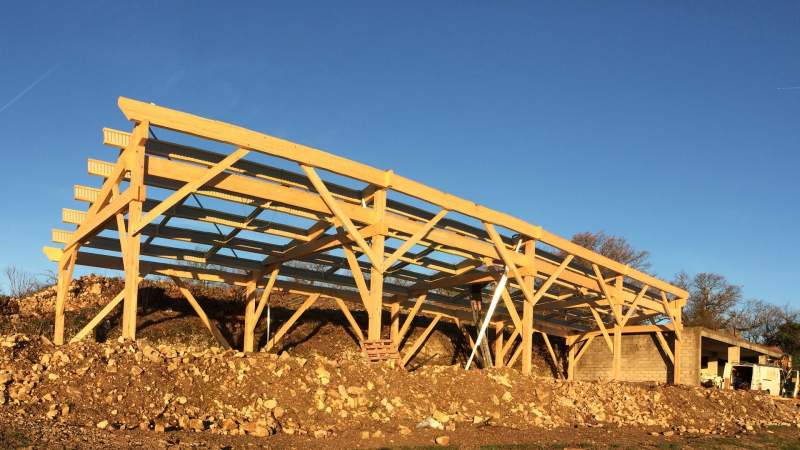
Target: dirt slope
171 381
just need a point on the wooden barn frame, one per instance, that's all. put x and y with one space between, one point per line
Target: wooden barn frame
343 230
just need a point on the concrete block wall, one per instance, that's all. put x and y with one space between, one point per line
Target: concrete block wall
690 356
643 359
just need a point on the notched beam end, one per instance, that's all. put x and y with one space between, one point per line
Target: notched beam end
53 254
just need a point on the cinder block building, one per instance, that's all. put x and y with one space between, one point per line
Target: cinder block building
644 359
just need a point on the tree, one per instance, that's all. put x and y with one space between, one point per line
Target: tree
21 283
757 320
712 299
613 247
787 338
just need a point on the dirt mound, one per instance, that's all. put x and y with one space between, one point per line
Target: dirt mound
317 386
127 385
165 317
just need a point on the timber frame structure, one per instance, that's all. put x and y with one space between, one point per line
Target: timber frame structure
340 229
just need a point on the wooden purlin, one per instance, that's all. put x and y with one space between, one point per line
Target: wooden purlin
161 168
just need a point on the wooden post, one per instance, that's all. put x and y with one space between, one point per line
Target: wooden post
676 364
376 273
250 313
132 246
678 344
571 360
527 313
499 328
394 330
66 267
616 367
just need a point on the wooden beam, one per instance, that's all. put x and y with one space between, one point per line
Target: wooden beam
306 201
189 188
98 318
511 309
602 328
511 340
420 340
664 346
66 267
394 322
262 302
337 211
96 221
527 311
551 279
634 304
375 307
358 275
409 318
583 349
223 132
248 344
231 234
285 327
200 313
612 299
414 239
499 330
505 256
552 354
350 319
133 242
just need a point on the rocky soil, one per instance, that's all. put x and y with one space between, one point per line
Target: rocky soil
163 388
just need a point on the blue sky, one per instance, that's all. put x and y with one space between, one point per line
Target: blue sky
673 124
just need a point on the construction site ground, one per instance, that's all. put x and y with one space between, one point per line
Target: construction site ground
174 388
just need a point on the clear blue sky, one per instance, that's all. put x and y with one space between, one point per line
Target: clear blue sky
673 124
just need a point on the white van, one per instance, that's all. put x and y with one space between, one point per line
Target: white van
752 377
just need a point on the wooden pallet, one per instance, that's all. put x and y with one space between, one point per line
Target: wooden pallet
380 350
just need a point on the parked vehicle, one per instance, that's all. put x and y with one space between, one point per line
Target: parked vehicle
756 377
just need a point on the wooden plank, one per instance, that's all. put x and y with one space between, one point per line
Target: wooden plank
200 313
420 340
296 315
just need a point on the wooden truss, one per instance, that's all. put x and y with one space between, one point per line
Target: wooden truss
279 215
